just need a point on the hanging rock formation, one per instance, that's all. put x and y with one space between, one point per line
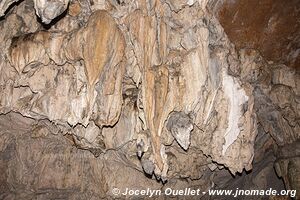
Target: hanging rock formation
96 95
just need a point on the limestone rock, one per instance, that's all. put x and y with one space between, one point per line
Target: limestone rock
96 95
263 28
4 5
49 10
180 126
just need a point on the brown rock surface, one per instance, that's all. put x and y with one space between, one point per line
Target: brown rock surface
270 26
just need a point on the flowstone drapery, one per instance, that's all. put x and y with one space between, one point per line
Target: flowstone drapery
152 87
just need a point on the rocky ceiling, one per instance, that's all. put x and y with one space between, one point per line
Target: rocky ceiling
148 94
272 27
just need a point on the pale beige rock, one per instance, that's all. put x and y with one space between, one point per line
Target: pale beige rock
148 87
49 10
46 46
284 75
4 5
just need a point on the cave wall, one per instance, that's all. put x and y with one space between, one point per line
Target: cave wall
270 26
103 94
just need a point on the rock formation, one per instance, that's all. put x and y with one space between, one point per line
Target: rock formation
96 95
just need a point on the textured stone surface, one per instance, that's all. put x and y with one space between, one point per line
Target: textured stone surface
49 10
4 5
138 93
270 26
